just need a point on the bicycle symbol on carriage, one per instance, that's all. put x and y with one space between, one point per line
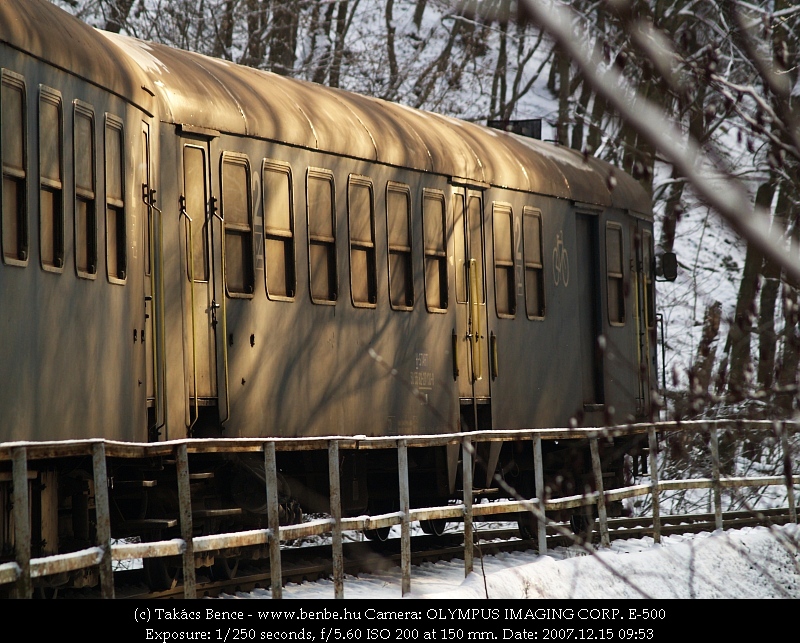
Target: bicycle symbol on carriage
560 261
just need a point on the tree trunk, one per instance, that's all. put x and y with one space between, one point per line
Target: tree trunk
497 105
338 45
583 106
672 212
394 72
223 43
283 37
323 62
738 343
419 11
118 15
704 363
256 47
769 294
562 127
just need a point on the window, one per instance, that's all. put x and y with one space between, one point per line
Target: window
534 268
434 226
398 226
148 210
51 186
116 251
194 201
615 285
647 273
475 241
468 241
13 128
363 282
85 204
236 213
505 291
321 214
459 238
279 230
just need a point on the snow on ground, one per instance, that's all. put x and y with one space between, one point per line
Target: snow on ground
756 562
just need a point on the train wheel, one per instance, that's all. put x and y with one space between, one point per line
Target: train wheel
433 527
581 525
160 574
380 535
47 593
528 525
225 567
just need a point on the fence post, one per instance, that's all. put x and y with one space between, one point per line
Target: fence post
22 529
405 527
715 485
787 470
538 476
336 514
467 478
652 451
597 469
273 520
185 503
103 518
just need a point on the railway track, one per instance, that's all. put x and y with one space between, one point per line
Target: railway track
313 562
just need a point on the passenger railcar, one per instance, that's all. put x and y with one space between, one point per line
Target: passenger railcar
194 248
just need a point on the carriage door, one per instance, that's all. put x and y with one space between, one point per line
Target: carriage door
471 339
644 293
202 288
154 352
589 316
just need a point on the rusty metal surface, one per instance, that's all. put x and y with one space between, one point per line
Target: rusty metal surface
184 88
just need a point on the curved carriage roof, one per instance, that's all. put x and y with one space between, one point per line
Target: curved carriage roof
190 89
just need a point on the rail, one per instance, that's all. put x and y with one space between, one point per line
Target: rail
24 568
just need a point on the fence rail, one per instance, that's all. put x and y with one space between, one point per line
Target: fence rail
24 569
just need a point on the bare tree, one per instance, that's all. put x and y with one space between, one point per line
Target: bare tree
694 86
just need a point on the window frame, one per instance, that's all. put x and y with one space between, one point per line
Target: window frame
15 82
279 167
322 174
531 213
49 184
241 160
189 148
501 208
439 254
619 276
408 251
368 247
85 110
648 276
115 123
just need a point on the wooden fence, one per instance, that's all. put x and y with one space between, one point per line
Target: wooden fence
24 569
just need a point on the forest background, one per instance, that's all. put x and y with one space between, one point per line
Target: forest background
697 99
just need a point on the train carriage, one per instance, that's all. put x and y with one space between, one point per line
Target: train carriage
196 249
